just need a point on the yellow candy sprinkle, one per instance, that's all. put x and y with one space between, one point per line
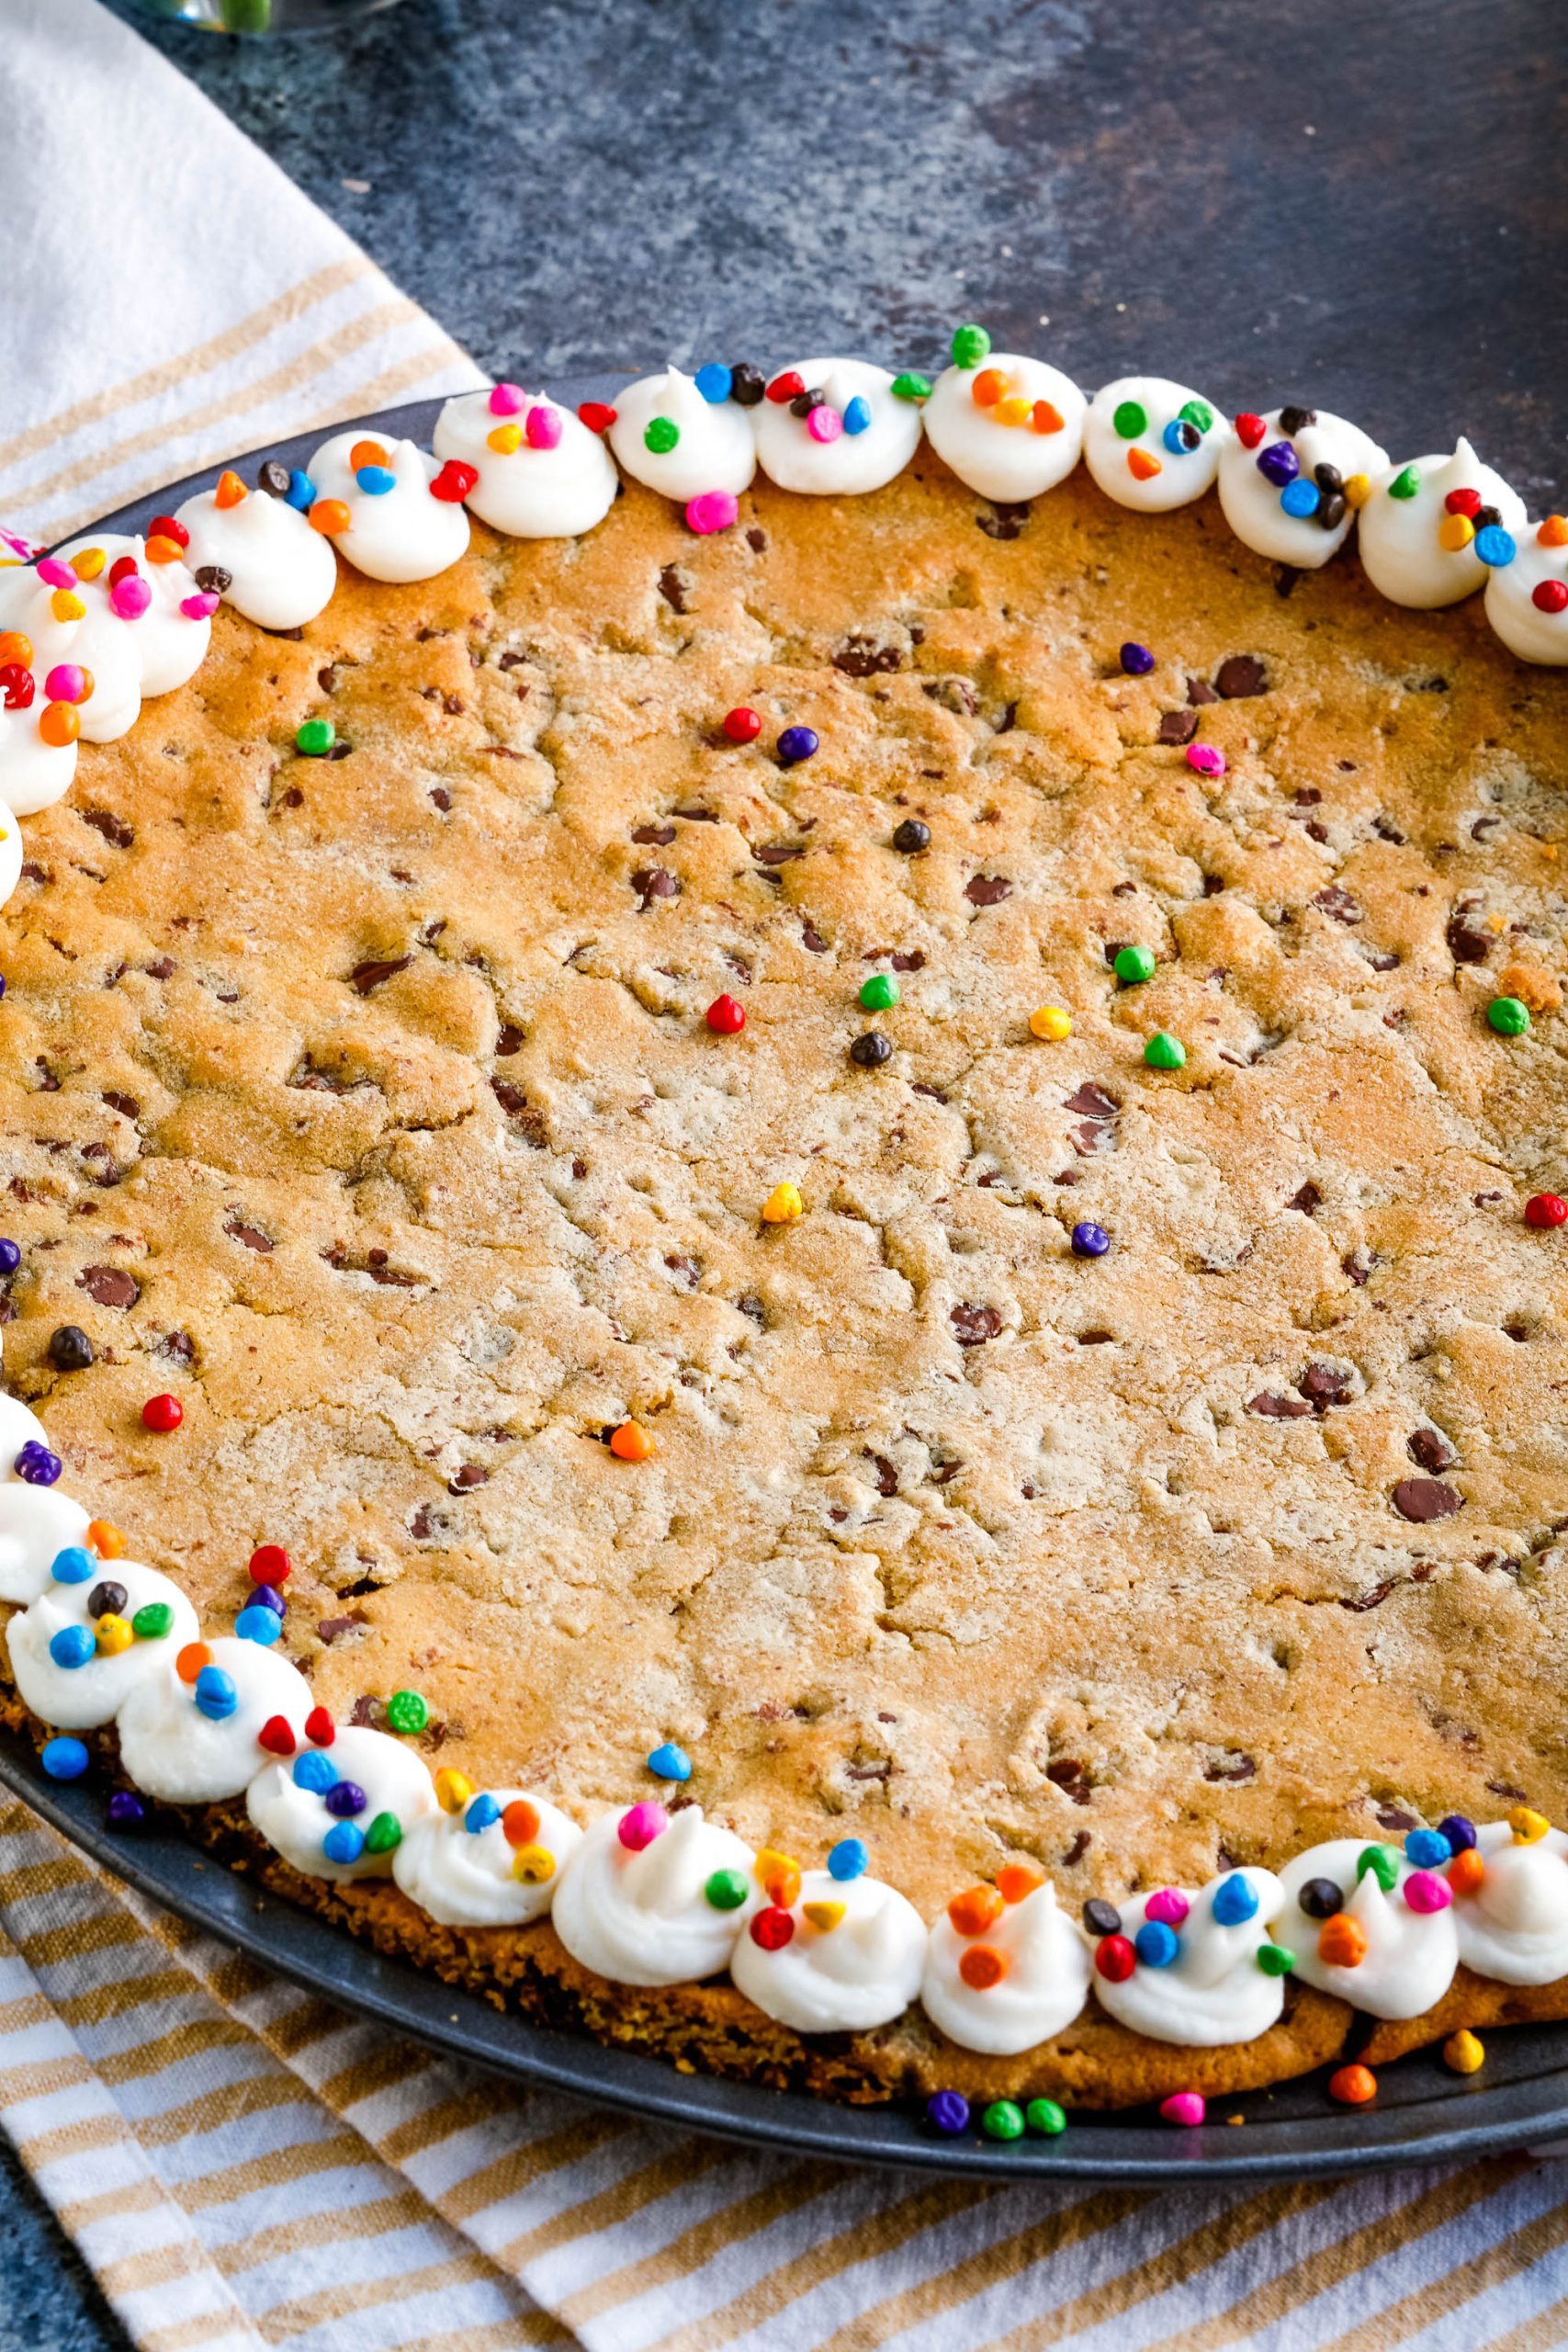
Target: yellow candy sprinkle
1463 2053
1013 410
453 1789
113 1635
824 1917
1529 1828
89 563
1554 532
783 1205
1358 490
505 439
533 1864
67 607
1051 1021
1455 531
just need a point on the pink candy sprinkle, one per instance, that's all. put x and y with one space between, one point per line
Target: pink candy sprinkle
1206 759
543 428
506 400
1424 1891
55 574
1186 2107
129 598
642 1824
1168 1906
824 423
716 510
201 606
66 683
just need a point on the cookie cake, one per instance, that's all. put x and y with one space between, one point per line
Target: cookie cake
782 1267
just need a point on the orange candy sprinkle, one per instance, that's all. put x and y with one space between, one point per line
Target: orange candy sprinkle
977 1908
519 1822
105 1538
365 453
15 647
1044 418
631 1442
191 1660
778 1875
980 1968
1352 2085
1466 1872
1142 467
1554 532
1015 1880
987 388
1343 1943
162 550
230 489
328 516
59 725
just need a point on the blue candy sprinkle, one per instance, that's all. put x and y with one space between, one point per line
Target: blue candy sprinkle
216 1697
343 1842
1460 1832
76 1564
1428 1848
1235 1899
301 490
1300 499
258 1623
857 414
1156 1944
315 1771
72 1647
848 1858
1090 1240
669 1762
714 382
483 1815
64 1759
1496 547
948 2112
376 480
1179 436
36 1466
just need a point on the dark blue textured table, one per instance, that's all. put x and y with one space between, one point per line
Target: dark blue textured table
1362 208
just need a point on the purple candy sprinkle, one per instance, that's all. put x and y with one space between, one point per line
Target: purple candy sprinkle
948 2112
10 1257
344 1798
1090 1240
126 1810
37 1466
1136 660
1279 463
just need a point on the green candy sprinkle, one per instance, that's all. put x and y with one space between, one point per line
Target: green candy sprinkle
911 387
1165 1052
970 346
660 436
1275 1961
406 1712
880 993
1045 2115
1132 965
1003 2120
385 1832
726 1890
1130 418
1198 412
1507 1016
1382 1862
153 1622
316 738
1406 483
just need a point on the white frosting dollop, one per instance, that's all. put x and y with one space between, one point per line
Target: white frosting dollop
1410 1956
173 1750
19 1425
170 645
986 442
465 1877
853 461
1534 632
295 1819
1213 1991
540 490
1135 462
96 640
401 534
36 1523
1043 1986
79 1698
1515 1925
643 1917
281 572
715 449
842 1978
1252 502
1402 551
33 776
10 839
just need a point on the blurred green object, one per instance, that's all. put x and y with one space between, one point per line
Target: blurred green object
260 16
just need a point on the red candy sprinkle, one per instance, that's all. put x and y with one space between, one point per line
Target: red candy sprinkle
1249 429
1550 596
772 1928
726 1017
1546 1210
17 684
1115 1959
453 483
742 726
124 567
164 527
162 1413
598 415
1463 502
270 1564
320 1729
787 387
276 1736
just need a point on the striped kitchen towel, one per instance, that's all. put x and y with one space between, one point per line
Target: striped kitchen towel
245 2166
171 297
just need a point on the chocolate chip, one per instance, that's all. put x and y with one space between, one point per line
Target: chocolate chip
214 580
470 1474
70 1350
273 478
175 1347
866 657
1309 1200
331 1628
1239 675
1370 1600
652 882
1320 1898
1336 903
1177 726
870 1051
1331 510
365 976
654 836
115 830
974 1325
812 940
1279 1408
1424 1500
1096 1338
1359 1266
250 1235
911 837
1091 1102
673 586
1006 521
1235 1767
516 1105
126 1104
1294 420
1323 1385
886 1475
1389 1817
1430 1448
107 1599
747 384
1467 944
109 1285
757 540
510 1040
1200 692
1101 1919
1327 477
779 853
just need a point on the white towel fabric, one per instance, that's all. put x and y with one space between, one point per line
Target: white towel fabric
170 299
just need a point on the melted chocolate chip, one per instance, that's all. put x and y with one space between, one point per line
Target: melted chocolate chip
866 657
1468 943
1177 726
1006 520
115 830
365 976
654 836
470 1474
510 1040
109 1285
1309 1200
1239 675
652 882
1323 1385
250 1235
1430 1448
1424 1500
1279 1409
674 586
988 890
974 1325
1336 901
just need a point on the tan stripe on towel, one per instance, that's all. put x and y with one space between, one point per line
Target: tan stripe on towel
1482 2267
